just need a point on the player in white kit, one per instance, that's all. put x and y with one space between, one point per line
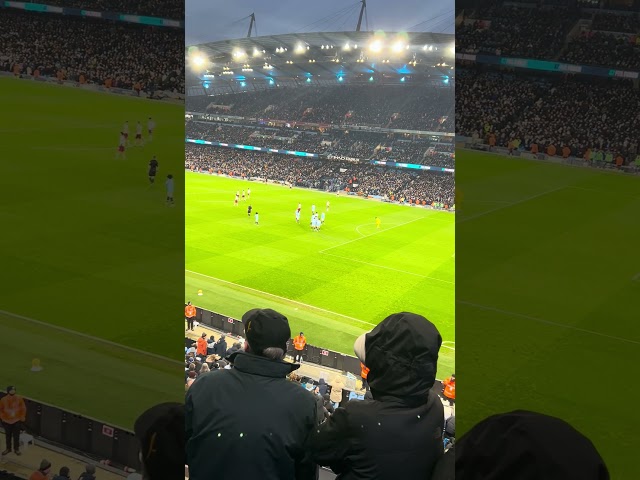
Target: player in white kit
169 186
297 216
313 208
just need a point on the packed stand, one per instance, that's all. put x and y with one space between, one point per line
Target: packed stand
616 22
604 50
401 107
359 145
152 8
81 49
331 175
577 113
517 31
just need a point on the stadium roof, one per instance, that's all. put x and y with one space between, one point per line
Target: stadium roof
321 57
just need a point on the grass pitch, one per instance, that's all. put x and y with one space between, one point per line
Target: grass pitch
548 297
89 246
333 284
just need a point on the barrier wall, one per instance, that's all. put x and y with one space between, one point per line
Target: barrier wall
312 354
86 435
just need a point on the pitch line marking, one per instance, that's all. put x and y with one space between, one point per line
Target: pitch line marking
85 335
280 298
371 234
511 204
391 268
365 224
547 322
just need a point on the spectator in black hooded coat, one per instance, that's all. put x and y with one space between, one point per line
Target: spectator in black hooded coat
220 346
402 354
526 446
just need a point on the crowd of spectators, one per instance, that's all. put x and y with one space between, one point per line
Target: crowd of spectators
151 8
401 107
611 39
616 22
517 31
82 49
578 113
330 175
355 144
604 50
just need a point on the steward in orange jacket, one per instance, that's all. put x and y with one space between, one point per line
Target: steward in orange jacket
201 349
189 315
13 412
299 343
449 390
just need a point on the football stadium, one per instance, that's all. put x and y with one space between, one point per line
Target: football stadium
73 363
327 142
548 186
320 184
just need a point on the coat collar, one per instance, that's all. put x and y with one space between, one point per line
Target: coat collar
257 365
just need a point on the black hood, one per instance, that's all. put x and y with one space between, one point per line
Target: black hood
527 446
402 355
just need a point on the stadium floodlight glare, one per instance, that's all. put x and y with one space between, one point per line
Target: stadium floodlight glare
346 47
375 46
398 47
243 84
239 53
198 60
402 79
257 53
371 79
300 48
308 80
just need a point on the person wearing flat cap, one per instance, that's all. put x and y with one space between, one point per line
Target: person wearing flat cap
398 433
250 422
13 412
43 472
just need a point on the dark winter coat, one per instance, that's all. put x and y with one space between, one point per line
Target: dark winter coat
250 422
527 446
398 434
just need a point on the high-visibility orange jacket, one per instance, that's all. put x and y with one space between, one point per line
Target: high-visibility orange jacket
189 311
12 409
299 342
364 371
201 349
449 388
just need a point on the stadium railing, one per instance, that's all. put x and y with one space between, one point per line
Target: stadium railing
315 355
74 432
469 144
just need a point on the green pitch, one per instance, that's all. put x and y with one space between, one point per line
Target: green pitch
548 297
333 284
88 245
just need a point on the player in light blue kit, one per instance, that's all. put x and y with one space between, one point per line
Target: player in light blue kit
297 216
257 218
322 217
169 186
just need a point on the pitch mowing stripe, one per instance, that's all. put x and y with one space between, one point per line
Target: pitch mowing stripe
547 322
280 298
389 268
512 204
90 337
